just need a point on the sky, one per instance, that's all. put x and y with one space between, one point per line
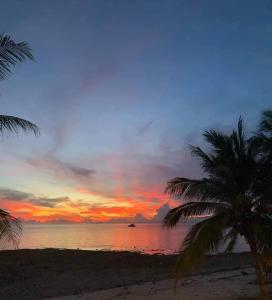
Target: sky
119 89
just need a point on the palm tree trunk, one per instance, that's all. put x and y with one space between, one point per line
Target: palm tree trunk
258 265
264 292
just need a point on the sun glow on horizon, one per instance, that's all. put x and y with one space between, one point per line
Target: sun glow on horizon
83 205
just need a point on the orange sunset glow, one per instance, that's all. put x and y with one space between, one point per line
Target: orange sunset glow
85 206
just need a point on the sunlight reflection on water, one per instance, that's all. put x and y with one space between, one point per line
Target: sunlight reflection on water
147 238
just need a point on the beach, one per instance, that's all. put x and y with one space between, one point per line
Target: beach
228 285
79 274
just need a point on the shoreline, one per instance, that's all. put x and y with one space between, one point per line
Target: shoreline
132 250
94 249
43 274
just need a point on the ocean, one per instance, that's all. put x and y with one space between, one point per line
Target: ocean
146 238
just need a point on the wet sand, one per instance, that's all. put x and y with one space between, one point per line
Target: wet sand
49 273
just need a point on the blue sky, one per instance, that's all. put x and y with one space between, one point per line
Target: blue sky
119 88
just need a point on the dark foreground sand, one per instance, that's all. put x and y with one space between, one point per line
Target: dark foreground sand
227 285
40 274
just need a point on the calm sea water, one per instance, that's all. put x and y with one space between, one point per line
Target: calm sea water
148 238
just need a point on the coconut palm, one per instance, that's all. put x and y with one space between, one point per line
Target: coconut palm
234 198
10 54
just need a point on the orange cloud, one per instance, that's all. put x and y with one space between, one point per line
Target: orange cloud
85 205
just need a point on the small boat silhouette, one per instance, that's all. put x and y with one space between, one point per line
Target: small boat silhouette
131 225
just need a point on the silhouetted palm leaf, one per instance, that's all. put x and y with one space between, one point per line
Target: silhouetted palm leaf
204 237
13 124
266 122
11 53
231 239
10 229
190 209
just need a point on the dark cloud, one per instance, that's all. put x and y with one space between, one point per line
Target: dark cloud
14 195
60 168
49 202
145 127
79 171
50 161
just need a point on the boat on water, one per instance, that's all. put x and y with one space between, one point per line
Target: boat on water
131 225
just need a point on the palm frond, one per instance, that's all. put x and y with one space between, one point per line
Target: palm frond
198 190
206 161
262 233
192 209
13 124
238 139
231 239
266 122
10 229
262 187
203 238
12 53
178 186
219 141
255 144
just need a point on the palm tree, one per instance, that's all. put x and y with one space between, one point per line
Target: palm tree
234 198
10 54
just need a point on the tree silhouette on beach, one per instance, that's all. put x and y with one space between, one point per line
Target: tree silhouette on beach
234 198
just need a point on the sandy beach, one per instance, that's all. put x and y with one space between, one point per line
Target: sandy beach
228 285
77 274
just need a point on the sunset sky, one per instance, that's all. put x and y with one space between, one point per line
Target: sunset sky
119 89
